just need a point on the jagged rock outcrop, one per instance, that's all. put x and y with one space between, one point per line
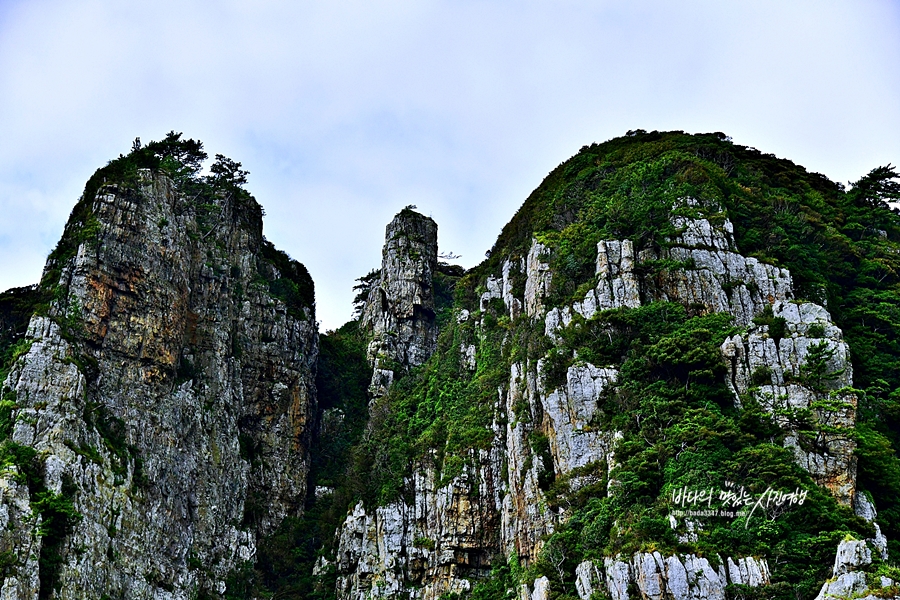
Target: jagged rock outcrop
771 361
437 544
850 579
157 418
551 427
700 267
714 274
400 307
677 577
167 394
685 577
450 532
774 369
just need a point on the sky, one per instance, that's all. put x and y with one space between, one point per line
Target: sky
344 112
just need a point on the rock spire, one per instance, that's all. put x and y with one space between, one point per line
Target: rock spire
400 307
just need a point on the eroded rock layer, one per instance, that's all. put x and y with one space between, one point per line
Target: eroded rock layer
168 397
400 308
444 537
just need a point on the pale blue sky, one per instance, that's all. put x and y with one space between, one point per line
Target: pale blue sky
344 112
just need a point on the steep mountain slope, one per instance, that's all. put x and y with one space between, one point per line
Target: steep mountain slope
158 409
676 375
665 313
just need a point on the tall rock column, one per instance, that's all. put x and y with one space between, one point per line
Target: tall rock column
165 395
400 309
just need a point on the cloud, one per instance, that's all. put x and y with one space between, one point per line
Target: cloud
344 112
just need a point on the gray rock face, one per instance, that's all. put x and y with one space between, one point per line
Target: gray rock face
168 395
854 586
18 534
851 554
772 371
864 508
618 284
849 579
400 309
537 279
587 579
541 589
681 577
709 275
462 524
713 275
848 585
748 571
426 549
568 412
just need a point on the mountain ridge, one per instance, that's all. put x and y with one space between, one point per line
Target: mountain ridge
665 311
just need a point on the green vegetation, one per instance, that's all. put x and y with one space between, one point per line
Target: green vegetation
775 325
362 289
841 246
181 159
675 413
16 307
442 406
293 286
58 516
501 585
677 416
680 429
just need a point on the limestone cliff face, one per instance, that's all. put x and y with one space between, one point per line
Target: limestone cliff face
764 364
168 396
849 579
157 419
443 537
400 308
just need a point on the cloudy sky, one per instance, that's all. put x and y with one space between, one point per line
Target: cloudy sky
344 111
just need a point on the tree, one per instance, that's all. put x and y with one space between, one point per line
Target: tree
362 289
188 153
227 173
815 373
877 188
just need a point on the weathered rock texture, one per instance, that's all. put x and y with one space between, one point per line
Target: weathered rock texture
167 394
680 577
772 370
498 506
712 274
19 535
655 577
849 579
765 365
400 308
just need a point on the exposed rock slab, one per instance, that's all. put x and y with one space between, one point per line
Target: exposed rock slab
399 311
168 394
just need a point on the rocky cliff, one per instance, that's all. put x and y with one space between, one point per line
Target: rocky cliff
600 367
498 505
675 376
163 396
399 312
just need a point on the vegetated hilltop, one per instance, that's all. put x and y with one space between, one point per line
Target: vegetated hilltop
667 314
665 311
